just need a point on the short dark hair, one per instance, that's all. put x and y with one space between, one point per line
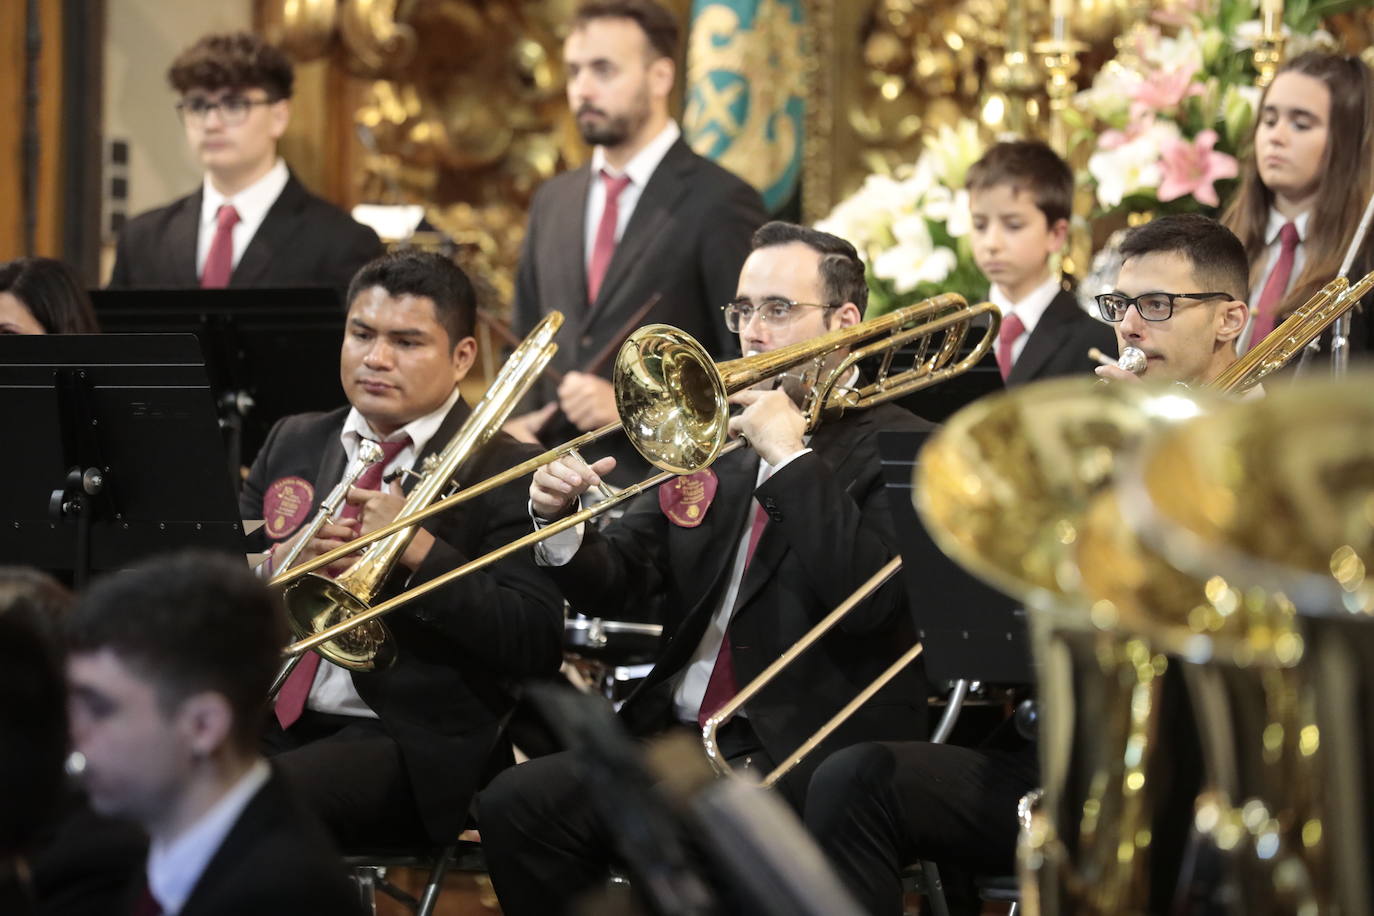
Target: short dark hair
1217 256
232 60
657 24
189 622
33 718
423 273
52 293
842 270
1026 165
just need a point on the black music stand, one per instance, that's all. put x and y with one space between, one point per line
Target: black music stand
120 455
269 352
970 630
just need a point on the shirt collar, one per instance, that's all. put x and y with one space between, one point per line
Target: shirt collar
175 866
641 167
1276 222
252 203
1032 306
420 430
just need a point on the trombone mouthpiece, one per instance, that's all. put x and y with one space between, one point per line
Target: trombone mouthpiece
1132 360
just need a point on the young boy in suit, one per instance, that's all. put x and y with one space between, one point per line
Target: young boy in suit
1021 196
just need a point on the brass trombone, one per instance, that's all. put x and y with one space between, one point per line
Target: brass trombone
672 400
315 602
1291 337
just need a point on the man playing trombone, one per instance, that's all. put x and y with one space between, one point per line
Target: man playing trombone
393 755
749 555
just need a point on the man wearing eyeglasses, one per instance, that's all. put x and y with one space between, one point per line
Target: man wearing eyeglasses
748 554
252 223
1177 299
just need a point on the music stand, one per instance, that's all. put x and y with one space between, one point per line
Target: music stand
970 630
269 352
121 456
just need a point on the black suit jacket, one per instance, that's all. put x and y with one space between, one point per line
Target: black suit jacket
275 861
463 647
686 241
1060 342
303 241
830 529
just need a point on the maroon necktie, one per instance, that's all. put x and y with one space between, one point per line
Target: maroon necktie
1276 285
605 234
721 687
219 262
293 694
1012 328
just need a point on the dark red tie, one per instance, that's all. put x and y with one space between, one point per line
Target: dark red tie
604 246
1012 328
1276 285
219 262
721 686
293 694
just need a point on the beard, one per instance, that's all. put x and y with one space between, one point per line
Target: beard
613 130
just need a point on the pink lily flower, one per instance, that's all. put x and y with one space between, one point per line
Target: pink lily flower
1194 168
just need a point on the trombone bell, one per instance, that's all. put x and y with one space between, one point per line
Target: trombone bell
315 603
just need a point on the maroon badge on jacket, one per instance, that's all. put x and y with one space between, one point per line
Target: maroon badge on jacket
685 499
285 505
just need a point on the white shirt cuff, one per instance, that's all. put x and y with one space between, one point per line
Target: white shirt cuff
788 460
558 549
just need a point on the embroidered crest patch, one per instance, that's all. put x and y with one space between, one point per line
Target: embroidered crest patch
685 499
285 505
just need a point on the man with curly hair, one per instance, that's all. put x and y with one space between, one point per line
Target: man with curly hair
252 223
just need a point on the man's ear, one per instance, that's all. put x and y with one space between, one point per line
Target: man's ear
464 355
662 74
846 316
1231 319
206 721
281 116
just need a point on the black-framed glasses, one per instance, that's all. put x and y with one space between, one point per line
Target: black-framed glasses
773 312
1151 306
233 109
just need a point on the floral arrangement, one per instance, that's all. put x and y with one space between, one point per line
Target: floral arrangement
911 225
1170 113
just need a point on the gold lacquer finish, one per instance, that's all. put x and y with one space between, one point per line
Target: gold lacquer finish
1269 508
672 402
316 604
1004 488
1298 330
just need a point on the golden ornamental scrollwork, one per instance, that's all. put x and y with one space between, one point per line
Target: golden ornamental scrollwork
464 112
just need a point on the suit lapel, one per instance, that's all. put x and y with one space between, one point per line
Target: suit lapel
273 236
708 555
183 235
569 224
835 444
1050 334
652 215
457 414
247 830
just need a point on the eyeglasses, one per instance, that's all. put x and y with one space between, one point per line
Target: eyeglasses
233 109
774 313
1151 306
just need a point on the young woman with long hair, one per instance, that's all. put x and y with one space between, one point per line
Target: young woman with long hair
1311 168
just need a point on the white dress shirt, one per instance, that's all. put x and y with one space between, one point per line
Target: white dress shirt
559 549
252 204
332 691
1029 309
639 169
175 866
